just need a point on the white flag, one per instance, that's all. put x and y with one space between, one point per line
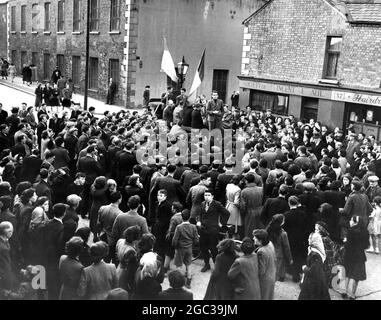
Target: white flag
167 64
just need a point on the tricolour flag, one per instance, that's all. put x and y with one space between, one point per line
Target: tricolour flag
167 64
199 76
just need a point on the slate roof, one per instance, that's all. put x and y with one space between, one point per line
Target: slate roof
364 12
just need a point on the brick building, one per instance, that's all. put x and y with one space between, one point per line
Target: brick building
127 41
316 59
49 34
3 27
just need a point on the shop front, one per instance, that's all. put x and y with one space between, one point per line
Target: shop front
332 105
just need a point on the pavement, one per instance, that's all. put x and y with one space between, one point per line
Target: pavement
100 106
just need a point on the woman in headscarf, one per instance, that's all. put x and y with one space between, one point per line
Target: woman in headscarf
220 287
266 263
133 187
233 199
146 279
314 283
279 238
35 231
99 278
330 250
70 220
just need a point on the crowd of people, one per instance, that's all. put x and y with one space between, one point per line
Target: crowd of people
305 198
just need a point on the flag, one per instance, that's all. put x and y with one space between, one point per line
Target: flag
167 64
199 76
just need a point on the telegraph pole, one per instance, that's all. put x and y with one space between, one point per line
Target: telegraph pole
87 54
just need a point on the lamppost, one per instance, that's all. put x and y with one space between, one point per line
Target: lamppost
182 69
87 57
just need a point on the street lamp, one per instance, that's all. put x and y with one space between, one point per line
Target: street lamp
182 69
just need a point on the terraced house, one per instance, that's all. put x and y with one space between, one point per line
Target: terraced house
317 59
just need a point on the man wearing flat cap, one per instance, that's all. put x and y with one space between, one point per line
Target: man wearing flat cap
374 189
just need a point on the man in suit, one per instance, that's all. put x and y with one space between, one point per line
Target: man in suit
61 154
90 166
126 161
182 97
54 248
352 147
275 205
222 181
176 291
215 110
5 141
212 215
84 138
169 95
31 166
146 96
173 187
42 187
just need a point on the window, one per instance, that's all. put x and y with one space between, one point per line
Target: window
332 56
93 74
261 101
61 16
35 17
61 62
309 108
47 16
13 18
76 70
220 82
114 68
76 15
35 59
23 18
115 15
14 56
23 60
94 15
46 66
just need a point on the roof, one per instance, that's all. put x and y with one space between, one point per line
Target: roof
364 12
355 11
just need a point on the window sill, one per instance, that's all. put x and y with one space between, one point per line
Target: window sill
93 90
76 32
47 32
94 32
13 32
34 32
61 32
22 32
114 32
329 81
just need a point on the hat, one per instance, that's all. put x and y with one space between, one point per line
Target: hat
373 179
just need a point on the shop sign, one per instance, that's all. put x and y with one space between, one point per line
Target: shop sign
354 97
285 89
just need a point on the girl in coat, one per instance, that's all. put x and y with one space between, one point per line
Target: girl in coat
244 273
220 286
356 243
314 284
266 263
233 196
279 238
374 226
70 269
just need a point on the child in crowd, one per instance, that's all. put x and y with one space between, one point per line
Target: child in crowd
185 237
374 226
